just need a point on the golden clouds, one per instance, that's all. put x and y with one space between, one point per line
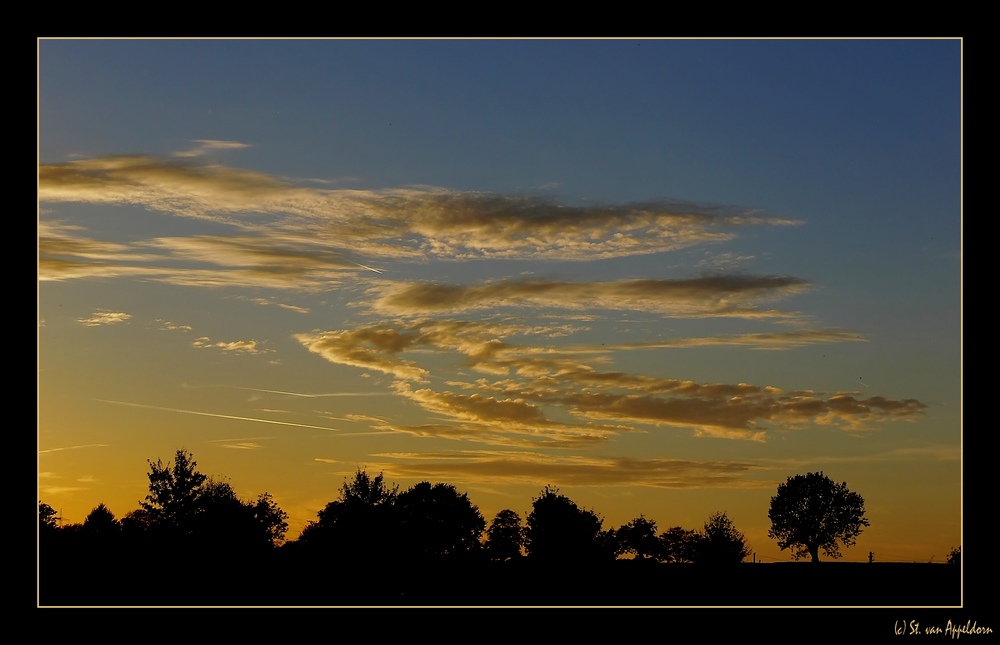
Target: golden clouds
241 346
470 361
548 384
528 467
732 296
365 348
400 223
105 318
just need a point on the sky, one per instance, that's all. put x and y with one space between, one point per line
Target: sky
660 275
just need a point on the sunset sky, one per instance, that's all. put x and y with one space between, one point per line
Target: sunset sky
660 275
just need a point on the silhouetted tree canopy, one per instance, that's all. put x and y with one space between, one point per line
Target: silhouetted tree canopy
174 491
438 521
101 522
560 531
638 537
955 556
677 544
719 543
225 521
811 512
137 522
505 536
362 521
185 508
47 517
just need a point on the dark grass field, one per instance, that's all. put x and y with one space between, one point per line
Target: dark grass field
275 582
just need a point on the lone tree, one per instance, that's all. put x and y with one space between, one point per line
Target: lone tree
811 512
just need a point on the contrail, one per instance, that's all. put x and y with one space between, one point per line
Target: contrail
308 396
220 416
89 445
370 268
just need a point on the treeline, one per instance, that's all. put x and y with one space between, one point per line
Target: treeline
192 526
194 541
186 509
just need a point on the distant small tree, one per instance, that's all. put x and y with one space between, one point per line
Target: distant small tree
719 543
955 556
101 522
505 536
811 512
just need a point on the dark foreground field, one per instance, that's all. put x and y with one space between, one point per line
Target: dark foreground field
149 581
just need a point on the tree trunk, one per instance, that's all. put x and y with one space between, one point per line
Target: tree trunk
814 553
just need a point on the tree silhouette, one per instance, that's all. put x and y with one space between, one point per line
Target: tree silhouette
638 537
955 556
47 517
677 544
137 522
48 525
101 522
719 543
224 521
272 521
505 536
560 531
811 512
174 491
438 521
362 521
191 510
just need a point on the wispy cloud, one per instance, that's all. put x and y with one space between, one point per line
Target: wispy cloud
266 302
414 223
246 445
243 346
103 317
532 392
166 325
514 467
530 382
203 146
759 340
734 296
